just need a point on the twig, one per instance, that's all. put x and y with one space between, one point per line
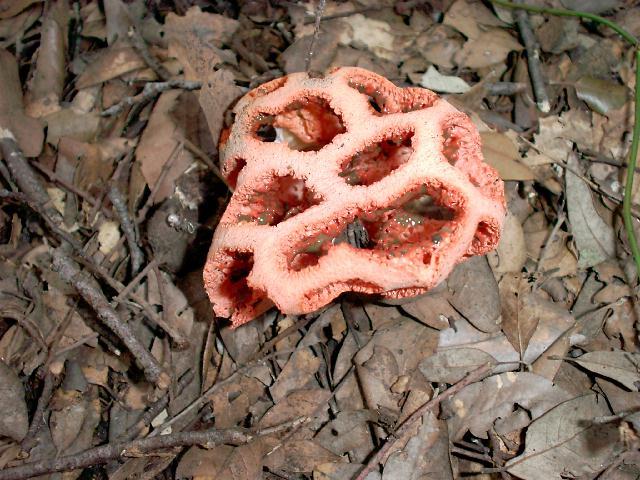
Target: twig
154 410
206 160
124 292
128 227
533 60
316 32
25 177
164 171
202 400
417 415
138 43
91 292
141 447
149 91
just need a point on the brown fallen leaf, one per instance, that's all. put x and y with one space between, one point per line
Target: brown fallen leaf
566 441
14 421
45 89
296 374
501 153
478 405
10 8
490 47
110 63
28 131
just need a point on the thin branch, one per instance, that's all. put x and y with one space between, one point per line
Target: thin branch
128 228
150 90
316 32
409 423
140 447
138 43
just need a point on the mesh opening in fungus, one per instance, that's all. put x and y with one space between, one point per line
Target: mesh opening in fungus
417 221
484 238
452 136
238 165
235 286
305 125
280 199
378 160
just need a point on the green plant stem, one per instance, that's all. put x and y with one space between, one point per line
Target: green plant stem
631 168
633 154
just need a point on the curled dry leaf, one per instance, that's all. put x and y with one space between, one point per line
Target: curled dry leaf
160 144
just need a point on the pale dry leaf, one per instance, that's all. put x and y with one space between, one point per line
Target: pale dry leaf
300 456
490 47
160 143
108 236
623 367
470 17
434 80
601 95
511 253
475 293
336 471
478 405
244 462
594 238
68 122
451 366
199 462
413 461
45 88
299 403
567 443
379 37
14 421
501 153
463 335
10 8
110 63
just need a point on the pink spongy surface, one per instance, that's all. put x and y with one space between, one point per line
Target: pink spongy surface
308 156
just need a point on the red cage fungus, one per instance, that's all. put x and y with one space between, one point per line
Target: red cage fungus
310 156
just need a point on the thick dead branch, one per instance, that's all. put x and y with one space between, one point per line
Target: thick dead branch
135 448
533 60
